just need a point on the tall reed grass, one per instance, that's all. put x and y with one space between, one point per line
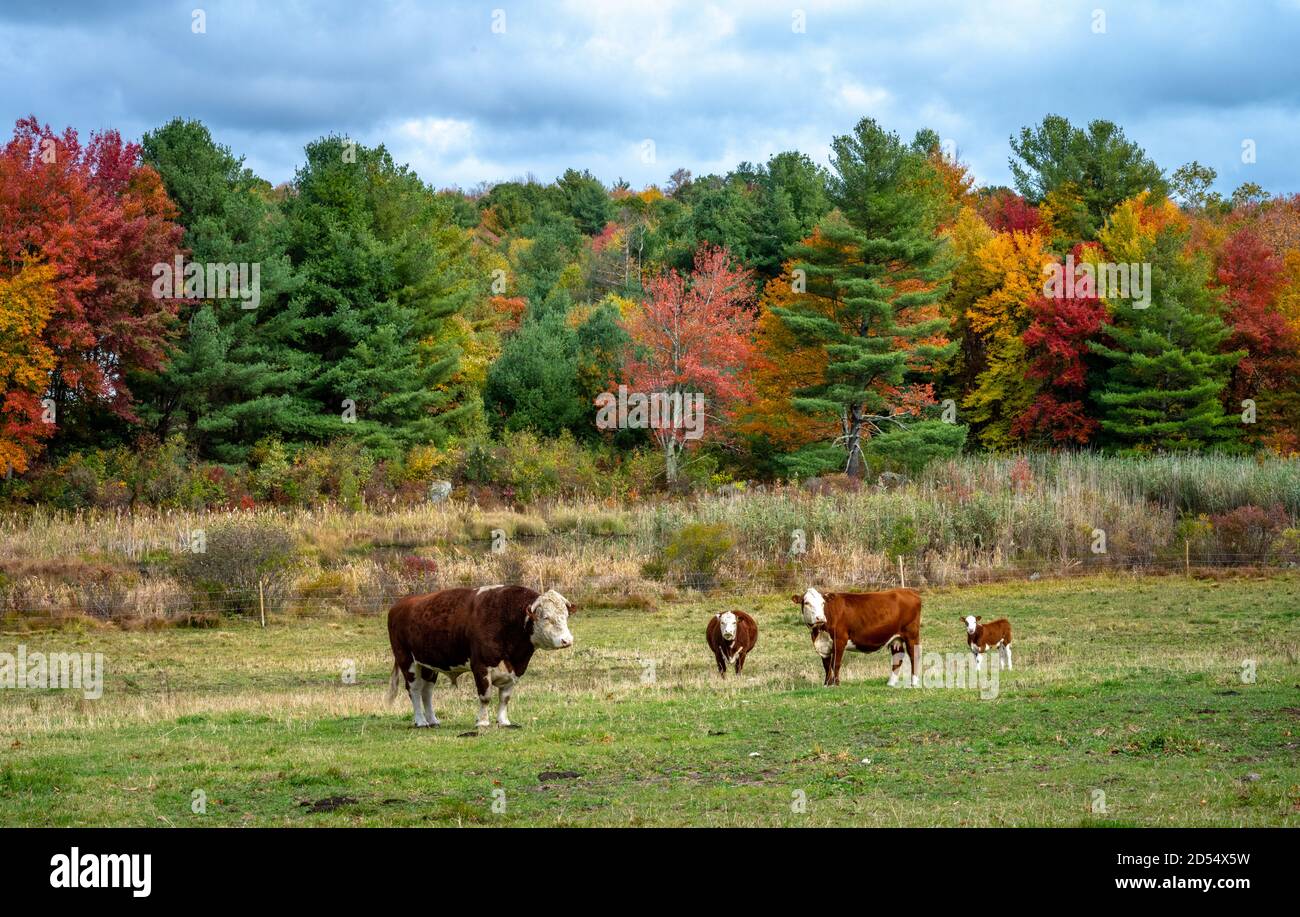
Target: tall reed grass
971 518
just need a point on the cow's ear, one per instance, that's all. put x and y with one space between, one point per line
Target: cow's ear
798 599
573 609
978 618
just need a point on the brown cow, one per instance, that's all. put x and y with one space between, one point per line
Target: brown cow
490 632
983 637
731 635
864 621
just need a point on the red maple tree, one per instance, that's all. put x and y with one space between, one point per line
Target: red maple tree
694 336
1006 211
1057 341
102 221
1252 276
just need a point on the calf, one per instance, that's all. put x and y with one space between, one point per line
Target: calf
864 621
731 635
983 637
489 632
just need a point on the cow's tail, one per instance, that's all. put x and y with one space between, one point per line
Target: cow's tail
393 683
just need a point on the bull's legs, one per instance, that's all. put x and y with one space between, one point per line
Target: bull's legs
826 664
505 684
426 698
979 658
722 662
1005 653
484 688
839 658
415 688
740 661
914 650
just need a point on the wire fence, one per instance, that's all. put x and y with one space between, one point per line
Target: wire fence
182 679
275 598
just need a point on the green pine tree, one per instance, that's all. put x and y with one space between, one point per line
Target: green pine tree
383 266
534 385
236 375
882 234
1165 377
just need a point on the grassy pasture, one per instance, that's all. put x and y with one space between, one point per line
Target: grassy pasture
1127 687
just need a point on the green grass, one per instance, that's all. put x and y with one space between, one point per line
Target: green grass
1130 687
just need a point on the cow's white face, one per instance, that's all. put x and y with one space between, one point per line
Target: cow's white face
970 624
550 614
813 608
727 621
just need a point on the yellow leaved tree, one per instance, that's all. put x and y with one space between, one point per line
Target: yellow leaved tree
26 303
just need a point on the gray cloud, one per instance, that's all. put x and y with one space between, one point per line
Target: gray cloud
579 84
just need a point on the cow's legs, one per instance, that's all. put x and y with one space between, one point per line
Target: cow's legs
1005 653
895 661
914 650
484 688
426 698
505 684
839 658
826 664
721 660
979 659
415 688
740 661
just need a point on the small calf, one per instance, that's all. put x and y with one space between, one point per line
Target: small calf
731 635
983 637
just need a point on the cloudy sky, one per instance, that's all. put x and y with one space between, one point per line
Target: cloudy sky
468 91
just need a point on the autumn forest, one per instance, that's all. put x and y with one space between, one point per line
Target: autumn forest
850 319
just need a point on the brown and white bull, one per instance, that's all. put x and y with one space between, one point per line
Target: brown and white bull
731 635
490 632
864 622
984 637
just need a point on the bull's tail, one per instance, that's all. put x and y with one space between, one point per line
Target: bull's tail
393 683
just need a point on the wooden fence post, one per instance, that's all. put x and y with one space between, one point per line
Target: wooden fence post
261 601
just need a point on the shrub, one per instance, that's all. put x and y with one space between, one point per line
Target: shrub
1286 549
918 444
159 472
813 461
902 539
1196 532
269 462
425 464
645 472
530 466
1247 532
694 554
419 573
478 463
237 556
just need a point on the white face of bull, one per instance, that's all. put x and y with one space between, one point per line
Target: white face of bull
970 624
727 621
550 614
813 608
